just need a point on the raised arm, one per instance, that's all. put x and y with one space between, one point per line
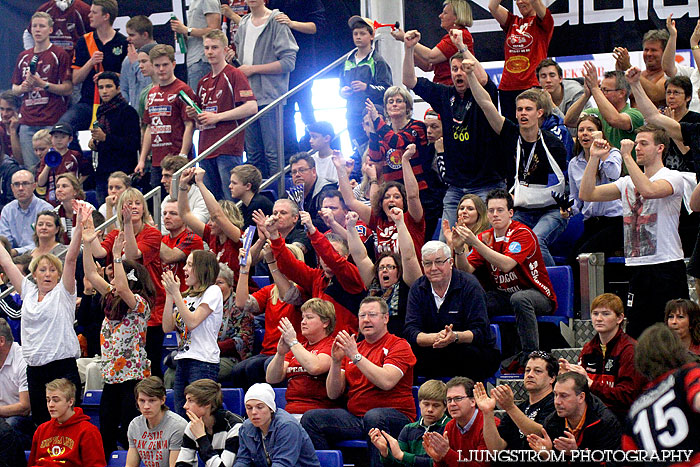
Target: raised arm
646 188
121 283
487 405
668 60
574 112
358 251
71 260
409 260
89 267
192 319
458 41
415 208
335 381
215 211
647 107
11 270
410 40
540 9
183 206
353 204
498 12
608 112
131 246
482 96
588 191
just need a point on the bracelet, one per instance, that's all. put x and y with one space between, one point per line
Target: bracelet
294 342
695 47
117 260
373 181
270 262
185 188
243 272
459 252
273 271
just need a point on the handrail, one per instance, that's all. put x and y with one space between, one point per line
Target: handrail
154 193
279 176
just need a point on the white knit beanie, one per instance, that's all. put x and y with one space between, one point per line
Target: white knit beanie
262 392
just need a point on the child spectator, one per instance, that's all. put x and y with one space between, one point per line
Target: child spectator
117 183
408 449
320 136
365 76
244 186
267 51
71 162
68 439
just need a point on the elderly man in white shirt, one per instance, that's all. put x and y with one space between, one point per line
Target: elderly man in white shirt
14 392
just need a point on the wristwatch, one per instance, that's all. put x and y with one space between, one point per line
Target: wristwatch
189 31
117 260
456 341
356 358
46 86
294 342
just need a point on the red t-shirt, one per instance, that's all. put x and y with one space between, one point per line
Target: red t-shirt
519 243
148 241
463 444
274 312
448 49
69 25
526 45
386 234
186 242
72 162
226 252
304 391
361 228
166 115
225 91
363 395
40 107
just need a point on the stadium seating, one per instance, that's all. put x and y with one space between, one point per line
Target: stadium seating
329 458
233 400
261 281
280 397
117 459
91 406
564 244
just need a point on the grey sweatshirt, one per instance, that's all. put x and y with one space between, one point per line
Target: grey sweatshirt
275 42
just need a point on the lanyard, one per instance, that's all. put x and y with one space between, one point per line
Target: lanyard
532 154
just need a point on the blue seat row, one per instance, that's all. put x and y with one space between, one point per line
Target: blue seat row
327 458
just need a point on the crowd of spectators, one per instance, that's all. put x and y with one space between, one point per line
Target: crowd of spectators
379 271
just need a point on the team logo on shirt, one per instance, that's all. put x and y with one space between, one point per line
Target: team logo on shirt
515 247
393 158
117 50
246 93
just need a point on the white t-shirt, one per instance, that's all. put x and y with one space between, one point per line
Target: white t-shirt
325 168
201 341
252 33
694 75
47 326
13 376
651 225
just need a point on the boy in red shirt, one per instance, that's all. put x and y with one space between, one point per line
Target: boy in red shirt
71 162
68 439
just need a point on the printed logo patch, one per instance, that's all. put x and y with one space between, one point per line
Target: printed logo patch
515 247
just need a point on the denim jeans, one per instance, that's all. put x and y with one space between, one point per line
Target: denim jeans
218 174
196 71
525 305
187 371
25 140
547 224
450 202
24 429
261 144
329 426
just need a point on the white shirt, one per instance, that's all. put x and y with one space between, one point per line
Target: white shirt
325 168
651 225
694 75
13 376
252 33
202 343
47 325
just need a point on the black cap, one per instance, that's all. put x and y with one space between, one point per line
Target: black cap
64 128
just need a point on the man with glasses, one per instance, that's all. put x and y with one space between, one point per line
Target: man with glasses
18 217
464 433
376 373
446 320
618 118
510 252
303 169
526 417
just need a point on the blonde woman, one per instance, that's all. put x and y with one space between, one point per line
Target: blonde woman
117 183
197 318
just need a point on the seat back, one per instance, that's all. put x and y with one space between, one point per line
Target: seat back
497 332
91 405
562 279
233 399
117 459
330 458
281 397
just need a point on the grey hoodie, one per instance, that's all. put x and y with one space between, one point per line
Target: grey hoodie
275 42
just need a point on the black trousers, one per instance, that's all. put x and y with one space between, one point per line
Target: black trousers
154 349
117 409
38 376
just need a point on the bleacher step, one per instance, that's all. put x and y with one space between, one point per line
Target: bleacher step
571 354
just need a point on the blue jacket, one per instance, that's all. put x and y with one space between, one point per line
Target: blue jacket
286 442
555 124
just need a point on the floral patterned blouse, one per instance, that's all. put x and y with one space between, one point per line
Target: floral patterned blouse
124 345
236 333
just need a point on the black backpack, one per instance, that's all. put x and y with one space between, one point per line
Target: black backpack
7 169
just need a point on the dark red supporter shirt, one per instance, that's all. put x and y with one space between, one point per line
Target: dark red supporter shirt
72 162
69 25
386 147
225 91
305 391
40 107
187 241
166 115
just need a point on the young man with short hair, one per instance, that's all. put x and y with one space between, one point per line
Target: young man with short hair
116 136
564 92
146 69
102 50
408 448
71 22
365 76
155 436
168 128
46 90
226 99
651 203
333 211
510 252
178 243
139 32
9 126
464 433
607 360
528 416
68 439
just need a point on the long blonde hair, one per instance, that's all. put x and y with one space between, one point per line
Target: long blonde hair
298 254
131 194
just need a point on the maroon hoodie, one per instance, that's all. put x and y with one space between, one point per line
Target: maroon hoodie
74 443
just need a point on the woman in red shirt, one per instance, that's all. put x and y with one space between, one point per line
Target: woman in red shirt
143 246
306 365
457 15
526 45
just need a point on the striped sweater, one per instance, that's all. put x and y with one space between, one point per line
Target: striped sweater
216 450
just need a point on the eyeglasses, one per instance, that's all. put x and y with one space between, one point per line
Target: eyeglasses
437 262
386 267
21 184
300 171
372 315
674 93
606 90
456 399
